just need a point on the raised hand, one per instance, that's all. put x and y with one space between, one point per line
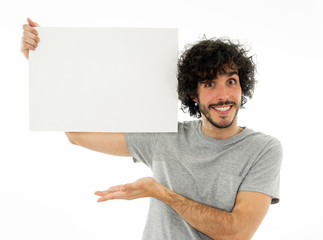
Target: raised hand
143 187
30 37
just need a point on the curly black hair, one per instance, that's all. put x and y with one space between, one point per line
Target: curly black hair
202 61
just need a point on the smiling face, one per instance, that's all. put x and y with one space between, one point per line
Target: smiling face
219 99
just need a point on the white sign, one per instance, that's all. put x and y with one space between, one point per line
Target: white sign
104 80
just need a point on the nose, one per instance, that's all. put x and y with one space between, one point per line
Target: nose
222 93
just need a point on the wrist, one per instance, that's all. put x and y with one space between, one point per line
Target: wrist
166 195
159 191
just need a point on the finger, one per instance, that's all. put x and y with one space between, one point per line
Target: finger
102 193
31 35
31 23
127 187
30 41
26 46
28 28
114 195
99 193
110 190
116 188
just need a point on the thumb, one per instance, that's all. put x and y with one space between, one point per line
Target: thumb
31 23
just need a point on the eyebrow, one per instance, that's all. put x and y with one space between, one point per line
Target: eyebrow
229 74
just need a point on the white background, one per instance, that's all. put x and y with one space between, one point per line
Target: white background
47 184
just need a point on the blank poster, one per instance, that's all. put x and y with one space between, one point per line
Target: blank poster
104 80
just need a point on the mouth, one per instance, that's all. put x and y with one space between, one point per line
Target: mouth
223 109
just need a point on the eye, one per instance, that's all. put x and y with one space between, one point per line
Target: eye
209 84
232 81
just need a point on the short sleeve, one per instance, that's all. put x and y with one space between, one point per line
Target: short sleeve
264 175
141 146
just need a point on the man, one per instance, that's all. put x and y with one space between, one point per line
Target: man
212 179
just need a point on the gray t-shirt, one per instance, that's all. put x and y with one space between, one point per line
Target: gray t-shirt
206 170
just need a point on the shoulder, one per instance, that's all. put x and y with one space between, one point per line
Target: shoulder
183 129
188 129
188 125
263 148
267 148
261 139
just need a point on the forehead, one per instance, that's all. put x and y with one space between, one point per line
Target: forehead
212 73
228 70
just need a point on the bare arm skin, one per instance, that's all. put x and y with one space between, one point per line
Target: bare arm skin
109 143
249 210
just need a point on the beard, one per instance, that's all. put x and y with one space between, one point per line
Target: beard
220 124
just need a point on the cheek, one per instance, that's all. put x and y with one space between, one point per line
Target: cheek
208 96
237 96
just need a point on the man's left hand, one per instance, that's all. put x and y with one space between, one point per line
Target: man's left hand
143 187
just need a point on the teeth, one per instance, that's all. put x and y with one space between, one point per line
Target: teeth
222 109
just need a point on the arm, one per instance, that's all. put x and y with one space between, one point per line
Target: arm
249 210
110 143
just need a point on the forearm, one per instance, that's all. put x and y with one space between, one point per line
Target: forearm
109 143
211 221
249 209
71 137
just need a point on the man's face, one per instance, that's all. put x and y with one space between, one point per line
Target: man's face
219 100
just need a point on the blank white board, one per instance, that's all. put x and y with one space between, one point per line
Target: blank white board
104 80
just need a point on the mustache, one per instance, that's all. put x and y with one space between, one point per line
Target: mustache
222 103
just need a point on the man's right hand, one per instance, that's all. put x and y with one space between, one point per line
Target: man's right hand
30 37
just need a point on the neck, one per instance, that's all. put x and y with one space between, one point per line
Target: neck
220 133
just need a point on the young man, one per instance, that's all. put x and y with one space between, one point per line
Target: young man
212 179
